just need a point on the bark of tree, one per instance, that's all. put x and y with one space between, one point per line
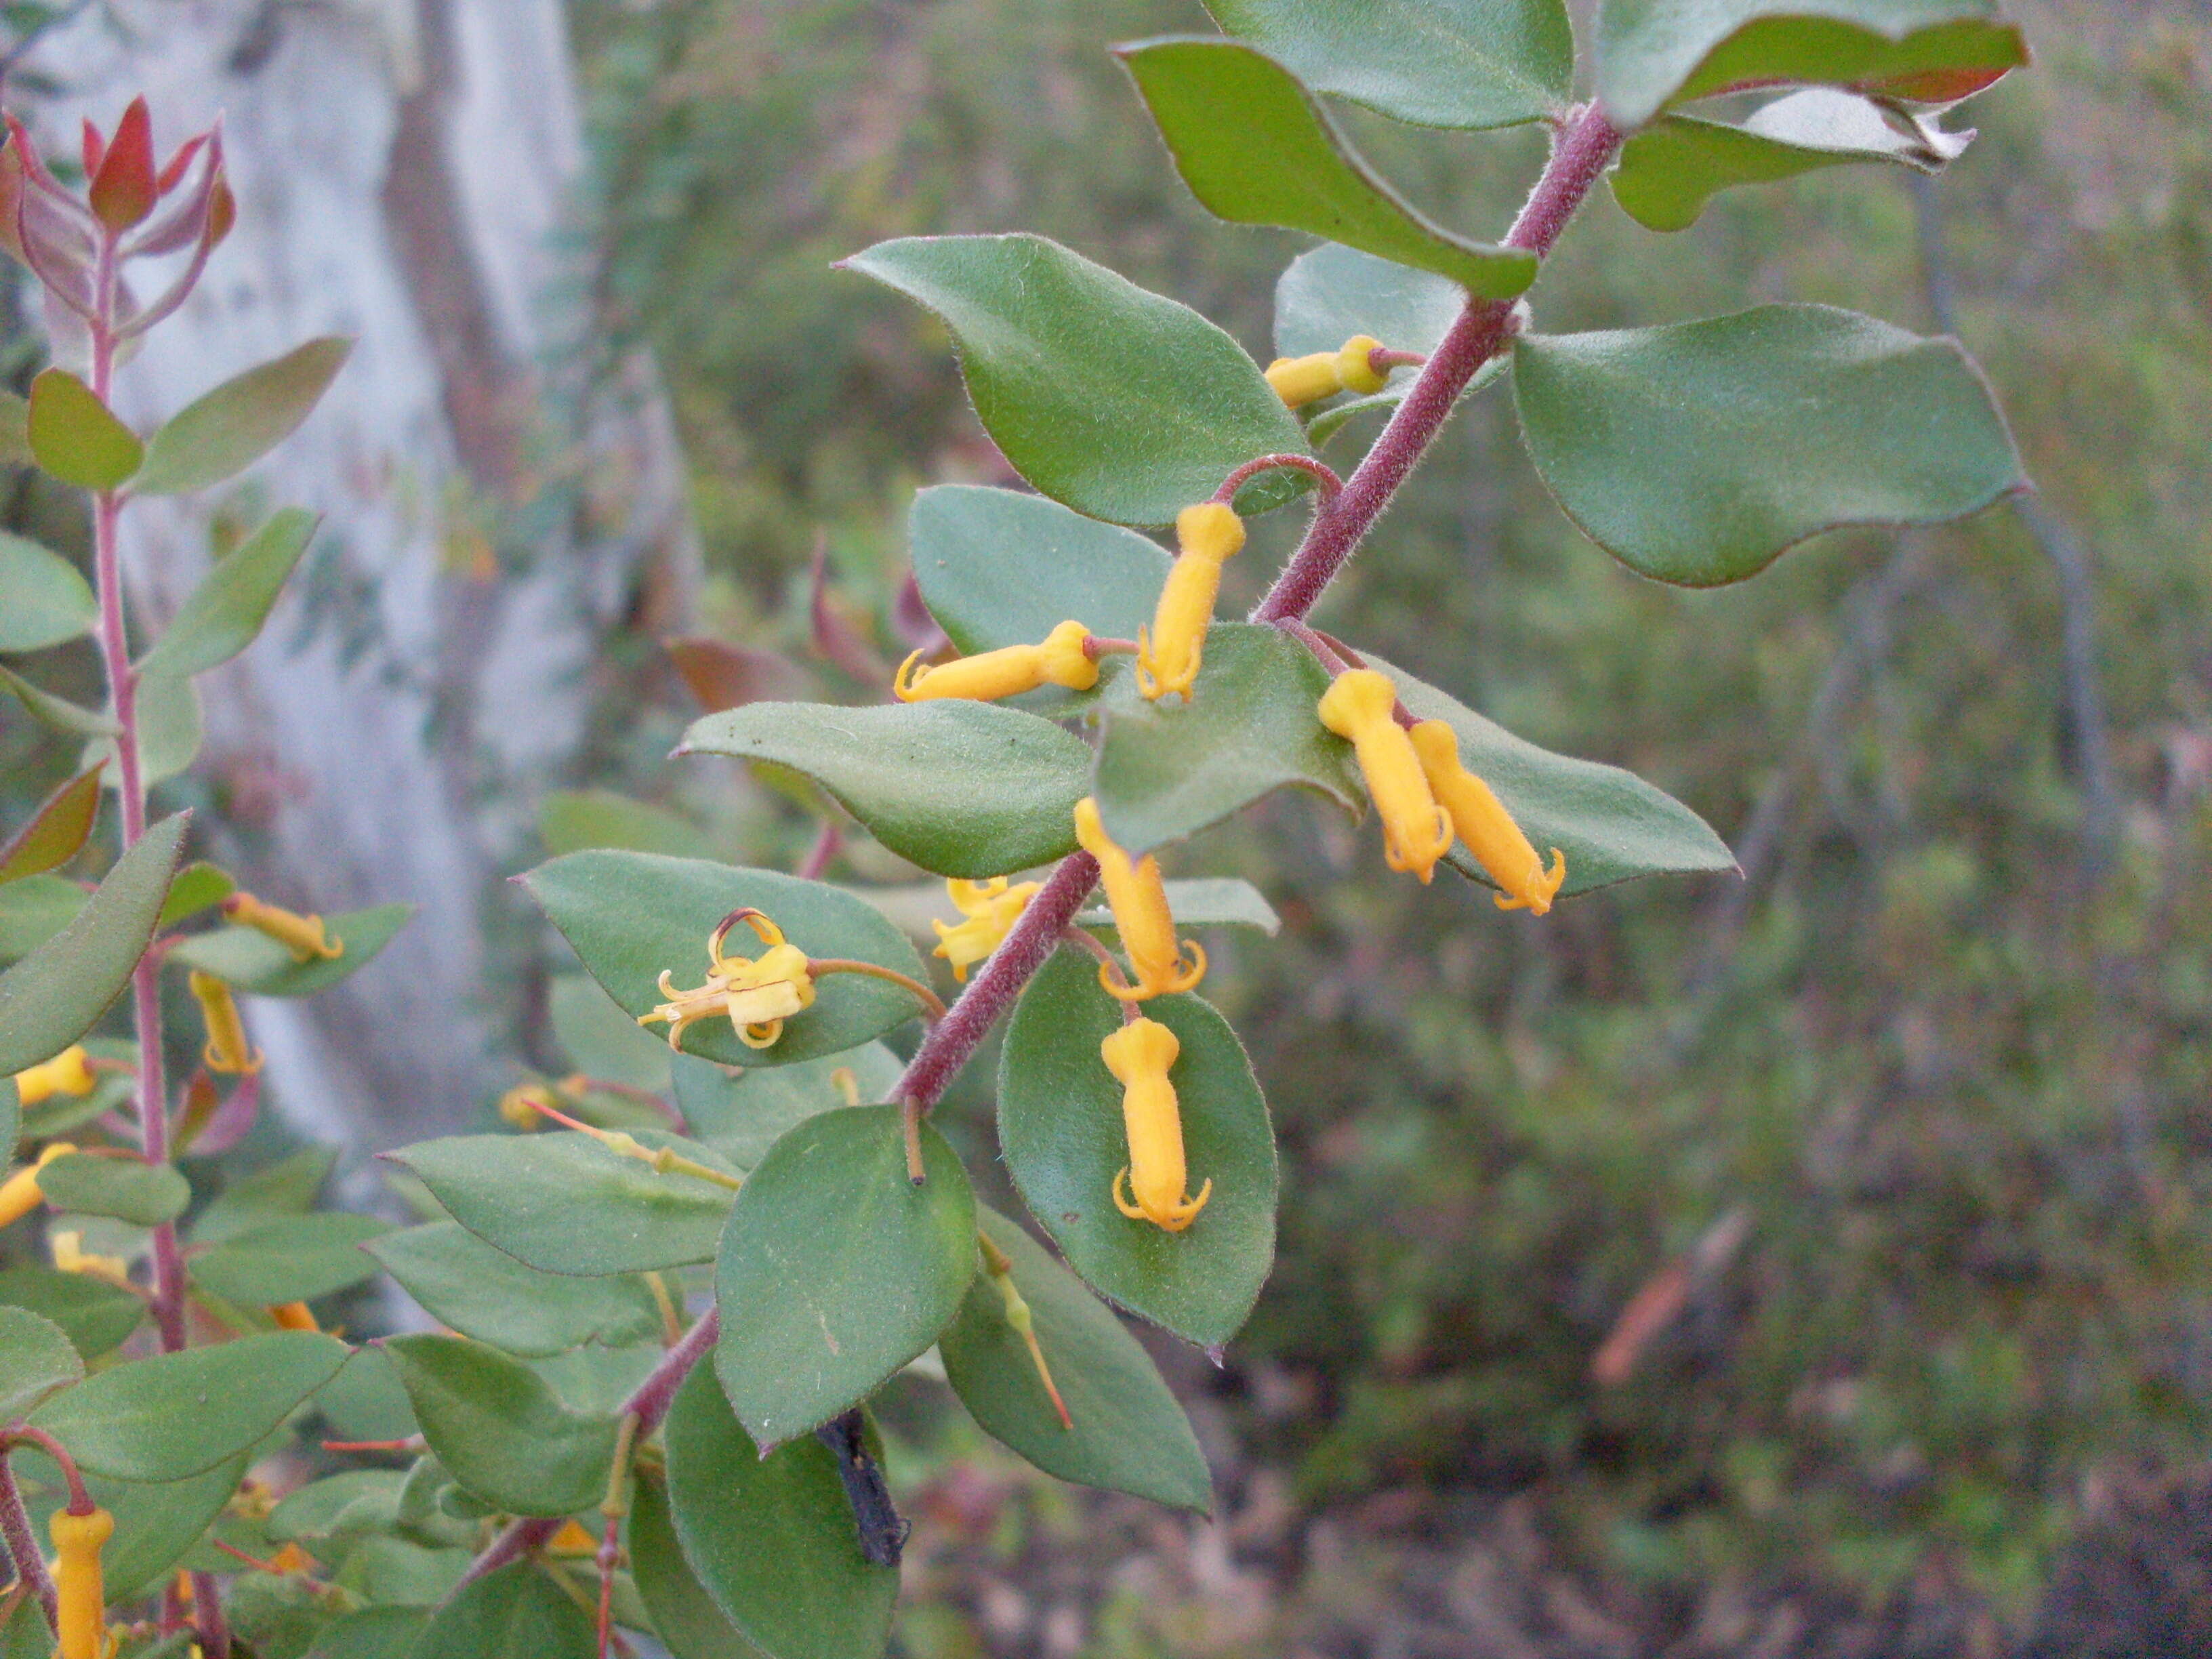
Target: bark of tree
409 172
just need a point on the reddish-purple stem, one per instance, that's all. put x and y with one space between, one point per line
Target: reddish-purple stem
1028 945
1321 472
209 1618
648 1403
23 1545
826 847
79 1499
1343 521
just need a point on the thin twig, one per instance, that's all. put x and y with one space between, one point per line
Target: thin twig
23 1545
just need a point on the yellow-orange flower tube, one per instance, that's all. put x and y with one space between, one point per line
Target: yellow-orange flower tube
1497 841
1061 659
1139 901
1302 380
19 1193
1169 652
69 1072
1358 705
226 1049
301 935
1156 1176
78 1584
294 1316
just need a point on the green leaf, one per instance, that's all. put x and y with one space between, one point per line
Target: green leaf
1670 170
573 820
372 1633
1611 825
1123 405
260 966
96 1316
288 1187
53 995
46 601
960 788
169 733
144 1194
1652 53
503 1433
1128 1433
226 610
742 1115
33 910
220 435
56 714
836 1270
198 887
516 1613
772 1538
1168 768
1329 294
15 431
1060 1129
364 1400
1435 62
1205 902
56 831
155 1523
998 567
176 1414
1696 452
292 1259
74 436
632 915
684 1615
602 1041
1256 149
484 1292
36 1359
354 1500
565 1203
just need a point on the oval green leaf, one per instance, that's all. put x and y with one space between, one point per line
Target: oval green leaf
1653 53
96 1316
504 1434
516 1613
836 1270
1168 768
75 438
154 1524
684 1615
354 1500
772 1539
1696 452
56 831
261 966
33 910
223 433
1466 64
632 915
53 995
484 1292
1124 404
57 713
386 1632
1128 1433
170 730
226 611
742 1113
565 1203
176 1414
1256 149
960 788
291 1258
47 601
37 1359
144 1194
1059 1128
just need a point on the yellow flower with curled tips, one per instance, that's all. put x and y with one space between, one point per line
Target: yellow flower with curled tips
19 1193
990 909
226 1050
1302 380
1361 705
1169 652
1139 1055
69 1072
757 995
81 1591
1497 841
1063 659
303 936
1139 901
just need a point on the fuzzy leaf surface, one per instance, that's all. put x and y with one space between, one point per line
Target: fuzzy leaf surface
684 1615
219 435
75 437
55 833
43 599
742 1115
37 1359
144 1194
291 1258
516 1613
94 1316
484 1292
225 612
504 1434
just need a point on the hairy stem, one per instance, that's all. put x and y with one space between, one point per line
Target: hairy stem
23 1545
648 1404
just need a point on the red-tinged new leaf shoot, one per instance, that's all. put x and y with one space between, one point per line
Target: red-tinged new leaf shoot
173 172
95 149
122 191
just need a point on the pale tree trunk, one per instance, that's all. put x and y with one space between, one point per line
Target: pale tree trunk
408 172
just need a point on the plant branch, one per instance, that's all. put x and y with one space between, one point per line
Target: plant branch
1342 521
23 1545
1320 471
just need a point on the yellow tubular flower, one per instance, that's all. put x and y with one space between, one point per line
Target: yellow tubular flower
301 935
69 1257
1485 825
82 1613
226 1050
1416 831
1010 670
19 1193
69 1072
1168 654
1138 1055
991 908
1141 916
294 1316
758 995
1302 380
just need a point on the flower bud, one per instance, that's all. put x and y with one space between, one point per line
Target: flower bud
1169 654
1497 841
1061 659
1139 901
1361 705
1139 1055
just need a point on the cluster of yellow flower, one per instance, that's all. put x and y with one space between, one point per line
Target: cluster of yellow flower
757 995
